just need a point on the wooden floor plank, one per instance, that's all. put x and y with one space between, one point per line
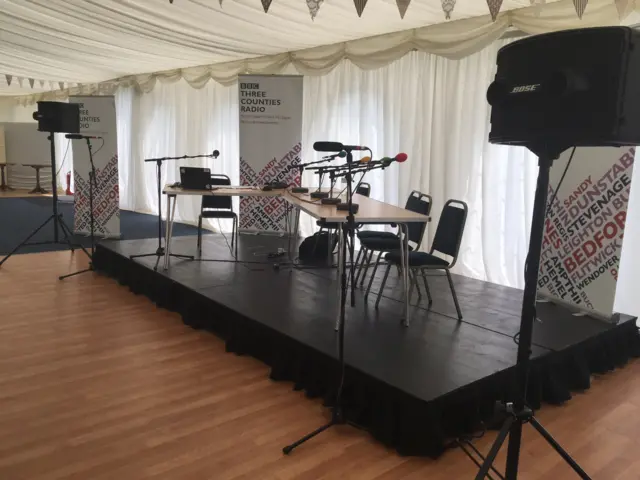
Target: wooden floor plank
98 383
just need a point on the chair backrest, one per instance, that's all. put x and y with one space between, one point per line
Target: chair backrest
450 229
215 202
363 189
419 203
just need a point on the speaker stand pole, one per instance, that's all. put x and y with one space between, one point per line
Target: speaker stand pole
518 412
56 217
347 234
159 253
92 184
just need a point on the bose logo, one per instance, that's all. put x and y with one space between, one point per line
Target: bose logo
525 88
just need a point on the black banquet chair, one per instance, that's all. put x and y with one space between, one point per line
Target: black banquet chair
218 207
374 241
446 242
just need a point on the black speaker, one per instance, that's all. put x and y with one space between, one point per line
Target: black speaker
58 117
569 88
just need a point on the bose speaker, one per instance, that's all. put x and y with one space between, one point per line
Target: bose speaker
58 117
569 88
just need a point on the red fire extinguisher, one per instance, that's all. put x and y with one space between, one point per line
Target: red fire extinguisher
69 192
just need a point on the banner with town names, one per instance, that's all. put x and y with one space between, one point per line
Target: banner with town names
270 145
585 227
97 118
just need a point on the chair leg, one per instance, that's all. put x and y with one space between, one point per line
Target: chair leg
413 275
455 297
384 282
366 268
330 247
355 265
412 283
373 274
361 266
235 233
200 234
426 286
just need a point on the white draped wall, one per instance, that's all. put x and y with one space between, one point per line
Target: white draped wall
432 108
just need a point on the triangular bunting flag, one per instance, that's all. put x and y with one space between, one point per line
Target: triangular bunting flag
9 78
494 7
580 5
20 80
266 4
447 7
41 82
360 4
31 82
402 6
314 6
625 7
61 85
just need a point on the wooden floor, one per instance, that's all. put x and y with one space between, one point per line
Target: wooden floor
96 383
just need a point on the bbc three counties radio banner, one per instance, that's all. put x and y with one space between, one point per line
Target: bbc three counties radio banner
270 142
584 229
97 117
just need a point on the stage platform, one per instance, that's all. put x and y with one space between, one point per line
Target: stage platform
413 388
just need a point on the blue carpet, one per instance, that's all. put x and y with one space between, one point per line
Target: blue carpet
21 216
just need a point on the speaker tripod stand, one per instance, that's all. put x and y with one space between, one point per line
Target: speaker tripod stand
518 413
55 217
92 184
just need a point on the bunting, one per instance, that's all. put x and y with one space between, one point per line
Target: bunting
402 6
447 7
625 7
8 78
494 7
266 4
580 6
314 6
20 80
360 4
31 82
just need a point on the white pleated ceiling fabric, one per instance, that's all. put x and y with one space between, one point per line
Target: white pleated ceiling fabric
71 43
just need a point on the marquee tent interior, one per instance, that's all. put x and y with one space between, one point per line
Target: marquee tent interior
415 84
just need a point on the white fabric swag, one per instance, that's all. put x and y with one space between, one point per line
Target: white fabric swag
452 39
429 107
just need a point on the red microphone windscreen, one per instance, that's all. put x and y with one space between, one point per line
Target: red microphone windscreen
401 157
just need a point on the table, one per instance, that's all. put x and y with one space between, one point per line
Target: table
37 168
370 212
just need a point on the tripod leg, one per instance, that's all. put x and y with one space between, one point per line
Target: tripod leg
289 448
62 277
26 240
513 452
561 451
495 448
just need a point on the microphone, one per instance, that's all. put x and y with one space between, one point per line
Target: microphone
336 147
340 154
215 154
77 136
401 157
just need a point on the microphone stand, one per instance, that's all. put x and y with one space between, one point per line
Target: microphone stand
92 183
337 416
159 253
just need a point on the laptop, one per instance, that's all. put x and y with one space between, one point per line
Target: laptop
195 178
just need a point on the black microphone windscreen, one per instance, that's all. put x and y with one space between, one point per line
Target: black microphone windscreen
215 154
327 146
